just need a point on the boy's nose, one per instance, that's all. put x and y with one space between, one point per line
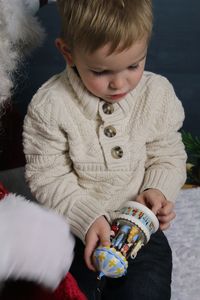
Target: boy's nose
117 83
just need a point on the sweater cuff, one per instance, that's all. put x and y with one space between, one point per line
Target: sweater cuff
83 214
168 182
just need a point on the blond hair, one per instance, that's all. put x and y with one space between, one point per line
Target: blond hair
91 24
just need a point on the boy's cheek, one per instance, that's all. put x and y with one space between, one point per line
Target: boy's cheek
95 86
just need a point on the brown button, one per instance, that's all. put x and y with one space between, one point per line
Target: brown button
117 152
110 131
108 108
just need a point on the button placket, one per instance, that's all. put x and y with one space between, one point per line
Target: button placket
107 109
110 136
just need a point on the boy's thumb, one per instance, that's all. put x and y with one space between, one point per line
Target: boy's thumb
105 241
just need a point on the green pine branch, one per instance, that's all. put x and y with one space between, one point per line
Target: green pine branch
192 147
192 144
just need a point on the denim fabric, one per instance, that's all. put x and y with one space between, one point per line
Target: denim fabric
148 276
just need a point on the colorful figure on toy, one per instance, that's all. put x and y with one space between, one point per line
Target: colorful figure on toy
121 236
130 231
28 232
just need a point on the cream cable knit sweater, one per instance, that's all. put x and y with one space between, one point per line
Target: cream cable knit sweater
86 158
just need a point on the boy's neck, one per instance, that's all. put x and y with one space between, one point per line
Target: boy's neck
76 71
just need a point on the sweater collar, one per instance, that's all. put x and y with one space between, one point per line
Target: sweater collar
90 104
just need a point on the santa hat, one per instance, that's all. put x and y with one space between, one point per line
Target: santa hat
68 289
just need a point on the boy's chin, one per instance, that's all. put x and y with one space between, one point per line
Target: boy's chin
112 101
114 98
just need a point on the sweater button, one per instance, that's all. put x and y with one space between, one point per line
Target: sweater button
108 108
110 131
117 152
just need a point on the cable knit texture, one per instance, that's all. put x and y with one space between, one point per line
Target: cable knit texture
73 165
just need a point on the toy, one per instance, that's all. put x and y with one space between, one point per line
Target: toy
129 232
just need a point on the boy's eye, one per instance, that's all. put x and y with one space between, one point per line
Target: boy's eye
133 67
100 73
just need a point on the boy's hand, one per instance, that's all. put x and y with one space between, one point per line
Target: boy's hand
161 207
98 233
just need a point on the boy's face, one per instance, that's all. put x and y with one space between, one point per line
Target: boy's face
110 77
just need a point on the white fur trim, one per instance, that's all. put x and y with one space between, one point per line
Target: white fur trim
33 6
36 243
20 32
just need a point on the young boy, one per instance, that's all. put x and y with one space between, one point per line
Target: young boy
104 132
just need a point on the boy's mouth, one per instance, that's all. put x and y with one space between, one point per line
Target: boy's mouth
117 96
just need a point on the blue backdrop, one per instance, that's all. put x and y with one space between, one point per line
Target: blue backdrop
174 52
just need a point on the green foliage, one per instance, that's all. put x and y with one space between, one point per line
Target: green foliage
192 146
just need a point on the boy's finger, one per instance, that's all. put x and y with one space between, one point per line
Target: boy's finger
105 237
140 198
150 204
156 208
164 226
166 209
168 218
89 248
105 241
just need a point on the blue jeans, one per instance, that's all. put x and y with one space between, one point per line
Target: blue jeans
148 276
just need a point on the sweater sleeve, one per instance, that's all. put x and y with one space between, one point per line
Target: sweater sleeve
165 167
49 169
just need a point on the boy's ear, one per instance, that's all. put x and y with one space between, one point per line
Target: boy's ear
64 50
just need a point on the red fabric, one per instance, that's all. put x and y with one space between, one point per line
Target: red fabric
69 290
3 191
